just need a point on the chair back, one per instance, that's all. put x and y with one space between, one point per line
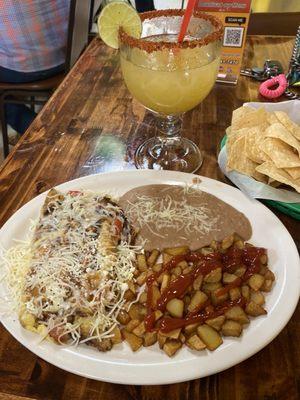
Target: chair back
78 30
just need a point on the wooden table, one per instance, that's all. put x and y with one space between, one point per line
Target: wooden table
90 125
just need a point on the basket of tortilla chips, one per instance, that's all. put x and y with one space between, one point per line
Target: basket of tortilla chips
263 153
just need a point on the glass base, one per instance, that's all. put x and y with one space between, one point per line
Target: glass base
175 154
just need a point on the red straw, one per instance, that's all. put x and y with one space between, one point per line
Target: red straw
186 19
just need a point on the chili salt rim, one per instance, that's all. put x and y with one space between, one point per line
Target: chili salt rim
149 46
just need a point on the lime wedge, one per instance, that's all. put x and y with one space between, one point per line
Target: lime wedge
115 15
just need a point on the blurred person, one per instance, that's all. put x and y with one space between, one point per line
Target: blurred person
33 38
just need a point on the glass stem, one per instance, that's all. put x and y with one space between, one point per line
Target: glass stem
169 126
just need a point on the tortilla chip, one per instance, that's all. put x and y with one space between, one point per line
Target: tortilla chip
278 131
249 118
253 138
234 136
272 119
240 113
294 172
260 177
228 131
238 160
269 169
281 154
290 125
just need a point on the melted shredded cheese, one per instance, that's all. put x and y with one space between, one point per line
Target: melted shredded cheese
169 213
72 274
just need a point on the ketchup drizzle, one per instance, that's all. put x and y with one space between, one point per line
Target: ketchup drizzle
230 260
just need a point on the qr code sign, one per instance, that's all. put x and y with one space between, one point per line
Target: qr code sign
233 36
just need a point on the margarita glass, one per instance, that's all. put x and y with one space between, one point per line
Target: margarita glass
170 78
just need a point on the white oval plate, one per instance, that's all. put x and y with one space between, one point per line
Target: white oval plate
150 366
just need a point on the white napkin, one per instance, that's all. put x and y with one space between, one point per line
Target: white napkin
250 186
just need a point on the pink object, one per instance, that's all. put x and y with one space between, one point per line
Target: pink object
281 85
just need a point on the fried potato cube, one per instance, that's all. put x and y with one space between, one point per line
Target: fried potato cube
228 278
189 329
198 282
214 276
234 293
172 346
187 270
177 271
123 317
197 299
182 338
141 279
131 286
139 330
137 311
237 314
157 267
256 281
210 287
155 295
270 275
165 282
86 325
195 343
143 298
177 251
43 331
209 336
158 314
214 245
183 264
245 291
227 242
166 257
132 324
206 250
117 338
161 339
129 295
239 244
263 270
152 258
254 309
27 320
150 338
240 271
175 307
175 334
186 300
216 323
134 341
218 299
159 279
267 285
232 328
258 298
104 344
141 262
264 259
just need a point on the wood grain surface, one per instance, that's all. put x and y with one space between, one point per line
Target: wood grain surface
90 125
